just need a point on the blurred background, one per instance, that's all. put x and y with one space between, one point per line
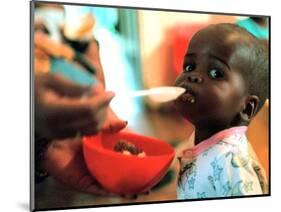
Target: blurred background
138 49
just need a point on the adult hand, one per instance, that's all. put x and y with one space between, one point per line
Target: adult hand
43 42
63 109
64 161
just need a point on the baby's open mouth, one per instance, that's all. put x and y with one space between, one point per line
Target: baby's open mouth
188 95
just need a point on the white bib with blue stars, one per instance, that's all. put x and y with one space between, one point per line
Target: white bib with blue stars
219 167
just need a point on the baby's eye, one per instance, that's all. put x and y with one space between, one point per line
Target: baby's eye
216 74
188 68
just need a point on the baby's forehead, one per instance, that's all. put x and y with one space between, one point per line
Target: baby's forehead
219 35
220 41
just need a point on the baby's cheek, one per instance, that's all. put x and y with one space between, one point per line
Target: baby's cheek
210 104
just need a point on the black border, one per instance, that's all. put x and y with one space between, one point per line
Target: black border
147 203
31 120
32 131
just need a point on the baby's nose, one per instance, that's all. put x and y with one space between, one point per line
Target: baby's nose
195 78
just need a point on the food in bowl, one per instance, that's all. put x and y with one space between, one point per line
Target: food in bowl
128 148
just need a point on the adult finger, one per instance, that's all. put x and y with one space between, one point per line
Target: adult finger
94 189
89 184
114 126
79 127
97 89
89 121
65 117
66 87
67 109
80 106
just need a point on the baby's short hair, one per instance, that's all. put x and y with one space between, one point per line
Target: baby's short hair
257 74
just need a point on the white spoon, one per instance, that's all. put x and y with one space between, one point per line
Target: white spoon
160 94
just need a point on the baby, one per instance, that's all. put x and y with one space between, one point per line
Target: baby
225 74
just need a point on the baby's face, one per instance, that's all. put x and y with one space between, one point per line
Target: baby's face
212 76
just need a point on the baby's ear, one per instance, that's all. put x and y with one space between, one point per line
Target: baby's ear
250 108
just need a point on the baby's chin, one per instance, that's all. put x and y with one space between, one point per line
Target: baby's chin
181 107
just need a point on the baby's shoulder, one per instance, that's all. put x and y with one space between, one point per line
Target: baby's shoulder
223 153
219 150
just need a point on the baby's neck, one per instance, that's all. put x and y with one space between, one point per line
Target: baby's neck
204 132
201 135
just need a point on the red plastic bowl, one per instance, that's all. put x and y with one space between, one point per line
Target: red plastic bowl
127 174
